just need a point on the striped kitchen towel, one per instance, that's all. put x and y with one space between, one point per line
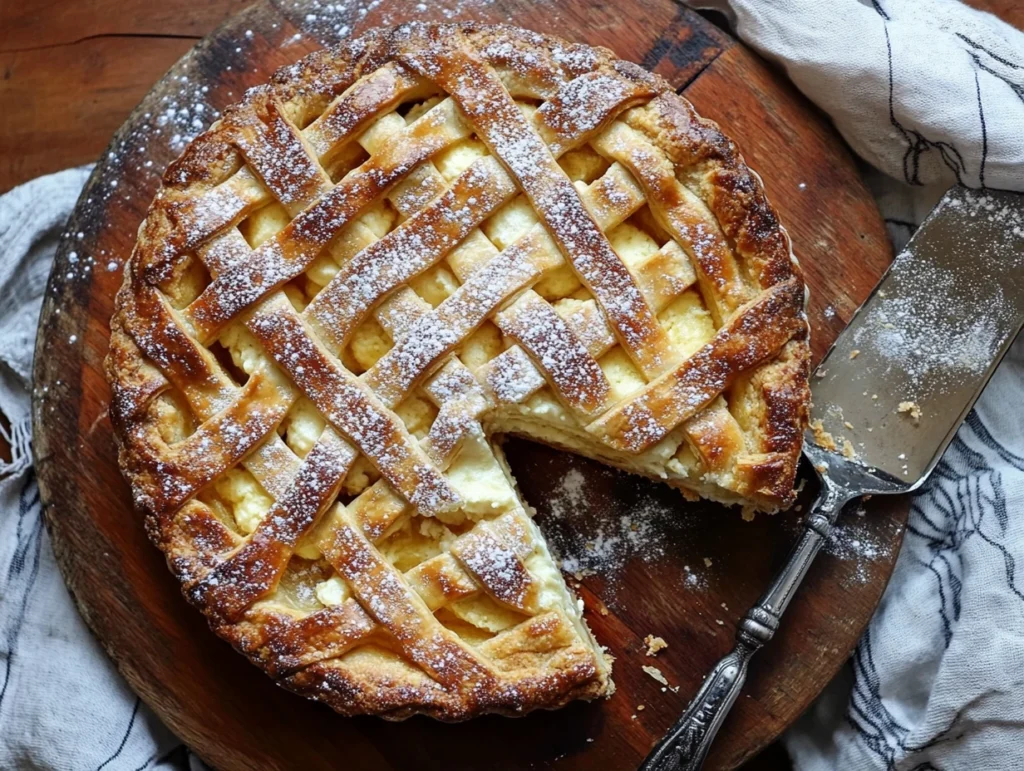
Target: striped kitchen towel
62 703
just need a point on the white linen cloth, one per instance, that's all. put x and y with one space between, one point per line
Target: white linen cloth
62 703
935 681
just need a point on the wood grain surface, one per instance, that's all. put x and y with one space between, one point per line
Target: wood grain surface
233 715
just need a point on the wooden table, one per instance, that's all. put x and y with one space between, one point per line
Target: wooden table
72 72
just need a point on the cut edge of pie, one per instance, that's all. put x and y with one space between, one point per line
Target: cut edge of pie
404 246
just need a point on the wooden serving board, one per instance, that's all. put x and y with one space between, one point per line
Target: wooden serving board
687 577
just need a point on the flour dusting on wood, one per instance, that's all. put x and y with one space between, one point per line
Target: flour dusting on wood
854 540
592 534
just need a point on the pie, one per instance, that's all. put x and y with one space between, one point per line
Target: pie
362 276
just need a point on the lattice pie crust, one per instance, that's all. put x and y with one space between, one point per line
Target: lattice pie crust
402 248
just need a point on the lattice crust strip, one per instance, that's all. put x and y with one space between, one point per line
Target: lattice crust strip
364 270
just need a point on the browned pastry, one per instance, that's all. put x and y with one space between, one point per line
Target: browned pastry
403 247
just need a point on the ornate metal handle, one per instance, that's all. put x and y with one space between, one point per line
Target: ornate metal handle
687 743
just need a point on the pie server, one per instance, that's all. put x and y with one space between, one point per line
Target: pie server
889 395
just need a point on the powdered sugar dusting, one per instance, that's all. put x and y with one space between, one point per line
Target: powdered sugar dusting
440 331
182 111
500 123
415 245
512 377
345 403
854 540
612 535
497 566
919 335
330 21
575 374
585 103
949 324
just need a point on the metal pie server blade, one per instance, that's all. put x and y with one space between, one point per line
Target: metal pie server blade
888 399
904 374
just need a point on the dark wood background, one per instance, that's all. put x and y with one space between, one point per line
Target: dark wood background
71 73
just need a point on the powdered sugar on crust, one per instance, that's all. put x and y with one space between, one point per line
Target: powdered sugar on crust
575 375
357 107
499 122
586 103
439 332
411 248
274 149
512 377
759 332
498 568
294 248
347 405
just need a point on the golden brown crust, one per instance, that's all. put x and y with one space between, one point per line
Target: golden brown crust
381 650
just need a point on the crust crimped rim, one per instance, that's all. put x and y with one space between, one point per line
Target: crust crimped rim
752 284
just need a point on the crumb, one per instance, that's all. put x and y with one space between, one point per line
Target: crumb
633 716
589 741
848 424
674 688
654 644
724 606
639 707
656 674
848 451
719 622
874 397
798 507
603 611
912 408
688 495
854 353
823 438
748 513
821 373
707 562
